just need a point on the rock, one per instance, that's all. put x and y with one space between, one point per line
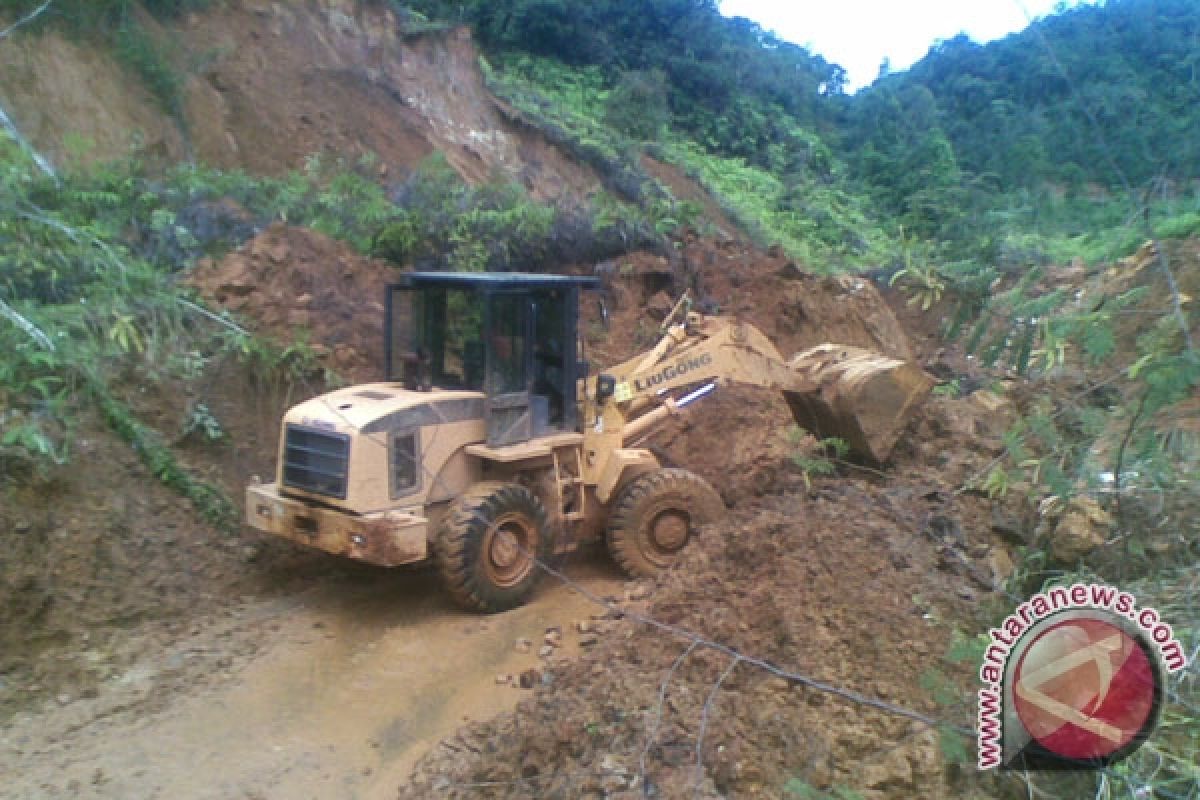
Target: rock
503 680
553 637
585 626
588 640
1084 526
1001 566
523 645
778 684
639 592
892 772
616 776
546 651
529 678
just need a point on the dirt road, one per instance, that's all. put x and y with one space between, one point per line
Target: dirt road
331 692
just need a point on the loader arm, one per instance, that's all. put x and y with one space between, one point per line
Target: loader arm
832 390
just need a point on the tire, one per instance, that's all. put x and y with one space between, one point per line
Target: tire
489 544
655 516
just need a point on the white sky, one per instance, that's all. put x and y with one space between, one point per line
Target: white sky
859 34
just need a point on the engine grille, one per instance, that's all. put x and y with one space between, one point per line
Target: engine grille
316 461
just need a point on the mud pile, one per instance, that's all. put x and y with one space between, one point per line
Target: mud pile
92 552
854 585
293 284
740 437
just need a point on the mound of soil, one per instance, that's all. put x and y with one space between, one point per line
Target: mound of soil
795 308
853 585
92 551
295 284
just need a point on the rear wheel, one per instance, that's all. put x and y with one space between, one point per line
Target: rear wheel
489 545
655 516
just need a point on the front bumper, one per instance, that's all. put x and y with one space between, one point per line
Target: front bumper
388 538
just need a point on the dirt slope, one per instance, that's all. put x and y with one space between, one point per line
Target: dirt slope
267 84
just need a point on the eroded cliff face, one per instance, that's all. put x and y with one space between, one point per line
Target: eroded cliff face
266 84
74 102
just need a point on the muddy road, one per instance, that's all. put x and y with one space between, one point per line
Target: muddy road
333 691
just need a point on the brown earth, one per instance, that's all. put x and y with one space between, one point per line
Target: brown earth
151 612
266 85
857 585
294 284
145 654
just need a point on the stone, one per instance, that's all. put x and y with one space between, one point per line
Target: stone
503 680
1001 566
523 645
778 684
546 651
890 772
1084 527
529 678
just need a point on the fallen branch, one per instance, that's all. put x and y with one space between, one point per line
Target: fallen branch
24 324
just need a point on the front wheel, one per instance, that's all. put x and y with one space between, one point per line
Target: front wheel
655 516
489 545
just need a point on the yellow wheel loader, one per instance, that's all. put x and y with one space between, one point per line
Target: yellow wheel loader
491 446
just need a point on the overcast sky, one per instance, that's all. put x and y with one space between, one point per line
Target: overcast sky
859 34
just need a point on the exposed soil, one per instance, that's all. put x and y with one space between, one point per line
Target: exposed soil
294 284
144 654
135 639
266 85
856 585
330 689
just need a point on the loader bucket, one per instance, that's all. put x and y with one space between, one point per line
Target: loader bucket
856 395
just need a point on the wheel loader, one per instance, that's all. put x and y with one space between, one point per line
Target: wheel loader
491 445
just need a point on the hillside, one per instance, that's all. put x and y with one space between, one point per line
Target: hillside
203 201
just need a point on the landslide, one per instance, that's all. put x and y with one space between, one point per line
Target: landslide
267 85
739 438
109 565
855 584
856 581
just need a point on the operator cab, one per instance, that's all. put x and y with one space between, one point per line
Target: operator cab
511 336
